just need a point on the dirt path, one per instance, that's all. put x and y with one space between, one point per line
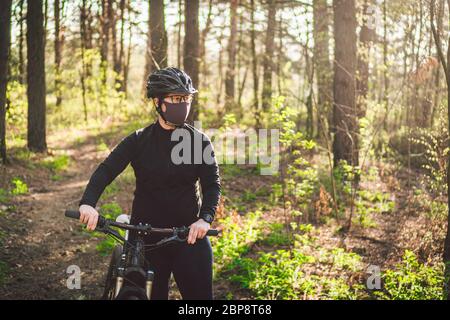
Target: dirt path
41 243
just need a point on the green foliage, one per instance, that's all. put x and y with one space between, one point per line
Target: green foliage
102 146
277 193
277 235
4 269
345 175
20 187
274 275
438 210
300 180
17 111
110 211
280 275
345 260
56 163
4 195
228 171
412 280
229 120
235 240
436 151
248 196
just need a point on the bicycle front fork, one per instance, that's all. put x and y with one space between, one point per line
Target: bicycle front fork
149 283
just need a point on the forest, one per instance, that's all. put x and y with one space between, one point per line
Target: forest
329 121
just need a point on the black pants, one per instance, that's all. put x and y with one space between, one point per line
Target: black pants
191 266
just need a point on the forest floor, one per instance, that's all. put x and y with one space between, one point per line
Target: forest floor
38 243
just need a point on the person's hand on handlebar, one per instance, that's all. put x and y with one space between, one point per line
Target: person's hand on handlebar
198 230
88 216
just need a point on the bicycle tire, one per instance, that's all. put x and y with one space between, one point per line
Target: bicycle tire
110 283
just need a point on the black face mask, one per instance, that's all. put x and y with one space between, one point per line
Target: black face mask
176 113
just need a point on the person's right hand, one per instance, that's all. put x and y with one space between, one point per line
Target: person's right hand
89 216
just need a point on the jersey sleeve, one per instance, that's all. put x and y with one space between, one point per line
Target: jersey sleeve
114 164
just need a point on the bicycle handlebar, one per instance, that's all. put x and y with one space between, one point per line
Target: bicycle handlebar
102 221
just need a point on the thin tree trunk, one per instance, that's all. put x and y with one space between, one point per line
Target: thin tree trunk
362 83
21 37
254 64
385 62
231 67
5 40
322 64
104 21
220 68
204 71
180 22
191 50
57 53
118 65
268 65
84 71
437 81
127 63
279 72
36 77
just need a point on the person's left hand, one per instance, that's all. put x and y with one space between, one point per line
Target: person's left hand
198 230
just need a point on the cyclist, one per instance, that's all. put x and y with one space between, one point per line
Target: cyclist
167 193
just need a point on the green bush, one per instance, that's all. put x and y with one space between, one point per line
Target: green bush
57 163
412 280
4 195
280 275
235 240
20 187
277 235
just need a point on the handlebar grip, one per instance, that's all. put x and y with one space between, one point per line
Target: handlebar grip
212 232
74 214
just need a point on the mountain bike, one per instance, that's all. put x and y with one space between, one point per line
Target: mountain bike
129 277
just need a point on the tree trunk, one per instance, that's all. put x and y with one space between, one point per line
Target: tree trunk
5 39
21 37
204 71
36 77
322 63
445 62
118 64
231 67
84 64
362 83
104 39
191 49
268 63
345 144
156 57
254 64
112 18
385 62
180 22
57 53
127 63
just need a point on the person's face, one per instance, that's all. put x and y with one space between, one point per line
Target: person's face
174 98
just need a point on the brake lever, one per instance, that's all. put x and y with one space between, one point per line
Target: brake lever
107 230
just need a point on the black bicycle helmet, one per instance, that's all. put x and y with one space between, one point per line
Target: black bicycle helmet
169 80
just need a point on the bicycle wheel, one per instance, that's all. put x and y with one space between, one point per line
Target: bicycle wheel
110 283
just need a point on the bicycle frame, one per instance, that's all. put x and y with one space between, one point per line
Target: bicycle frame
131 277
